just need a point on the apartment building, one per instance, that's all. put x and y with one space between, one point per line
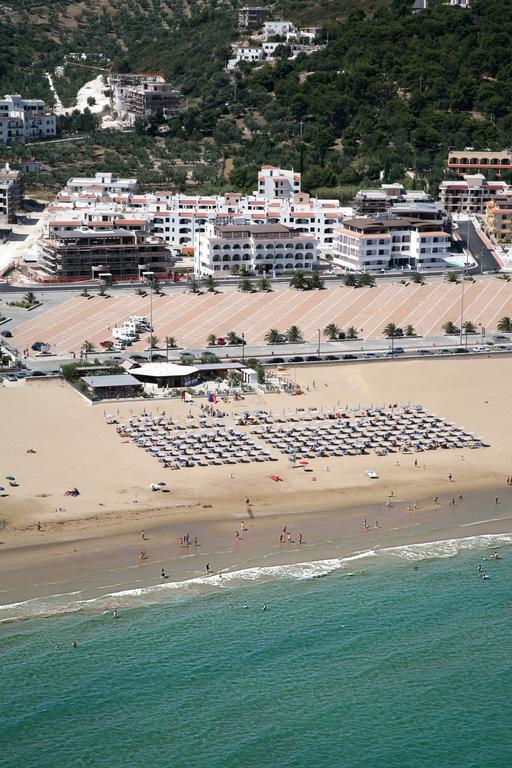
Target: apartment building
498 217
364 244
25 120
101 184
471 161
11 194
143 95
179 219
260 248
370 201
121 253
469 195
247 53
277 183
252 17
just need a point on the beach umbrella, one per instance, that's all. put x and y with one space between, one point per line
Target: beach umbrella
10 477
2 488
303 461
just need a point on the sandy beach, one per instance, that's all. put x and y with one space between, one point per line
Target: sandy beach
92 542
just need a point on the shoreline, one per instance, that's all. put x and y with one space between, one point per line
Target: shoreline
106 572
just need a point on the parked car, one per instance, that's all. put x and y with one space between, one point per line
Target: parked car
461 351
6 334
38 373
499 337
502 348
136 358
482 348
399 350
161 358
117 357
312 358
11 377
426 352
349 357
220 342
369 355
22 374
296 359
331 357
274 360
445 351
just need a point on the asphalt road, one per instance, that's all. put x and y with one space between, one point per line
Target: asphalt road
478 249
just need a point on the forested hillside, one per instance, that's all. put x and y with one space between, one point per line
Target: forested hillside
391 92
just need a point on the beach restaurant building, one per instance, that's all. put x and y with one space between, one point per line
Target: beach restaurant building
114 386
164 375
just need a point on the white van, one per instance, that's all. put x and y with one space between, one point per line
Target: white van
482 348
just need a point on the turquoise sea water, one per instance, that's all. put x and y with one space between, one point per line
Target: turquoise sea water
404 663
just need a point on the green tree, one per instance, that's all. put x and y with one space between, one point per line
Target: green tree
273 336
194 285
331 331
391 330
245 285
211 339
109 346
170 342
505 325
350 280
210 284
232 338
153 341
264 285
366 279
409 330
450 328
102 290
88 348
30 298
316 282
468 327
294 334
84 293
298 281
418 278
451 277
351 332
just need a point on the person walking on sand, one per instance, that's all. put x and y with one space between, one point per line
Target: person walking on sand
450 477
300 538
496 500
208 568
163 574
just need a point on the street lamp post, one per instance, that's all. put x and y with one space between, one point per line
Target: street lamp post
243 347
318 345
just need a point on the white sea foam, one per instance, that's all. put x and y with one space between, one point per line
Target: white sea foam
67 602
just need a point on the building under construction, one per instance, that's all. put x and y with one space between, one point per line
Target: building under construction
108 255
144 95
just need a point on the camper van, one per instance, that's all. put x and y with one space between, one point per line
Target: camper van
124 334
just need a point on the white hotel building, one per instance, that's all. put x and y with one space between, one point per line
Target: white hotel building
25 120
364 244
180 220
262 248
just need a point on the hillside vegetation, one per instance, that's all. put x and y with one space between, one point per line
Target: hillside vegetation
390 93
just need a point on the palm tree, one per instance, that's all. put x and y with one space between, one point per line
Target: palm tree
87 348
170 342
109 346
210 284
138 291
29 298
351 332
294 334
450 328
391 330
245 285
366 279
298 281
452 277
331 331
232 338
316 282
350 280
409 330
194 285
468 327
85 293
505 325
418 278
153 341
273 336
264 284
211 339
156 286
